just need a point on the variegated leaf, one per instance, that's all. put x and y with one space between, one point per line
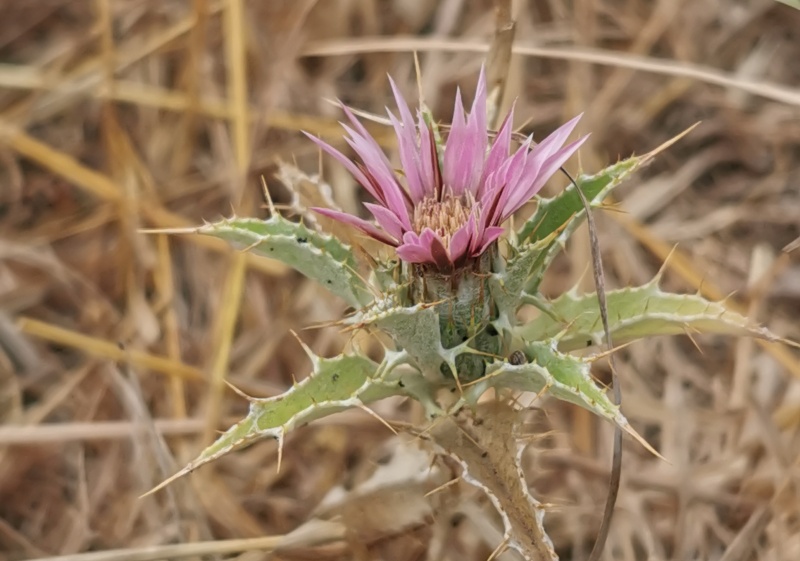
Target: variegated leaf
507 286
415 330
634 313
336 384
318 256
484 443
563 376
561 215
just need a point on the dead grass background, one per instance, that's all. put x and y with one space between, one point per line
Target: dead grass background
118 115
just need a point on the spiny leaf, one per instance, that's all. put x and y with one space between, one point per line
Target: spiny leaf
553 214
416 332
485 444
563 376
562 214
309 191
565 212
336 384
318 256
415 329
507 286
634 313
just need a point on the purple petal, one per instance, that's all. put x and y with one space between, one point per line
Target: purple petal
460 242
507 180
465 150
414 254
439 253
554 141
533 177
387 219
476 127
426 247
429 166
361 224
498 153
413 250
347 163
541 172
454 173
378 166
409 148
409 158
489 235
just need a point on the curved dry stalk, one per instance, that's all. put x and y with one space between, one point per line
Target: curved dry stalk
616 463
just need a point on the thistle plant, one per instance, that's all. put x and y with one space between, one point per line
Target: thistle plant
449 287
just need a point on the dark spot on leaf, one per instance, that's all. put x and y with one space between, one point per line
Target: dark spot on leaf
302 240
329 281
401 384
588 342
453 390
483 455
335 376
456 519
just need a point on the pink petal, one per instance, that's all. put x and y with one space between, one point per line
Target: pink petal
387 219
361 224
409 149
439 254
465 150
489 235
347 163
414 254
370 152
413 250
426 247
554 141
531 184
498 153
429 166
409 158
363 132
476 125
507 180
402 106
378 166
460 242
455 166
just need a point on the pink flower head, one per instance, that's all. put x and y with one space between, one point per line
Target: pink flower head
447 214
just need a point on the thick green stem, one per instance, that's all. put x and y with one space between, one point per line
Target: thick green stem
463 302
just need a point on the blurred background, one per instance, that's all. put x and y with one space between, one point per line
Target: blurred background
123 115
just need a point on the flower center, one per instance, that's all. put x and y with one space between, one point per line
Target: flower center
444 217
